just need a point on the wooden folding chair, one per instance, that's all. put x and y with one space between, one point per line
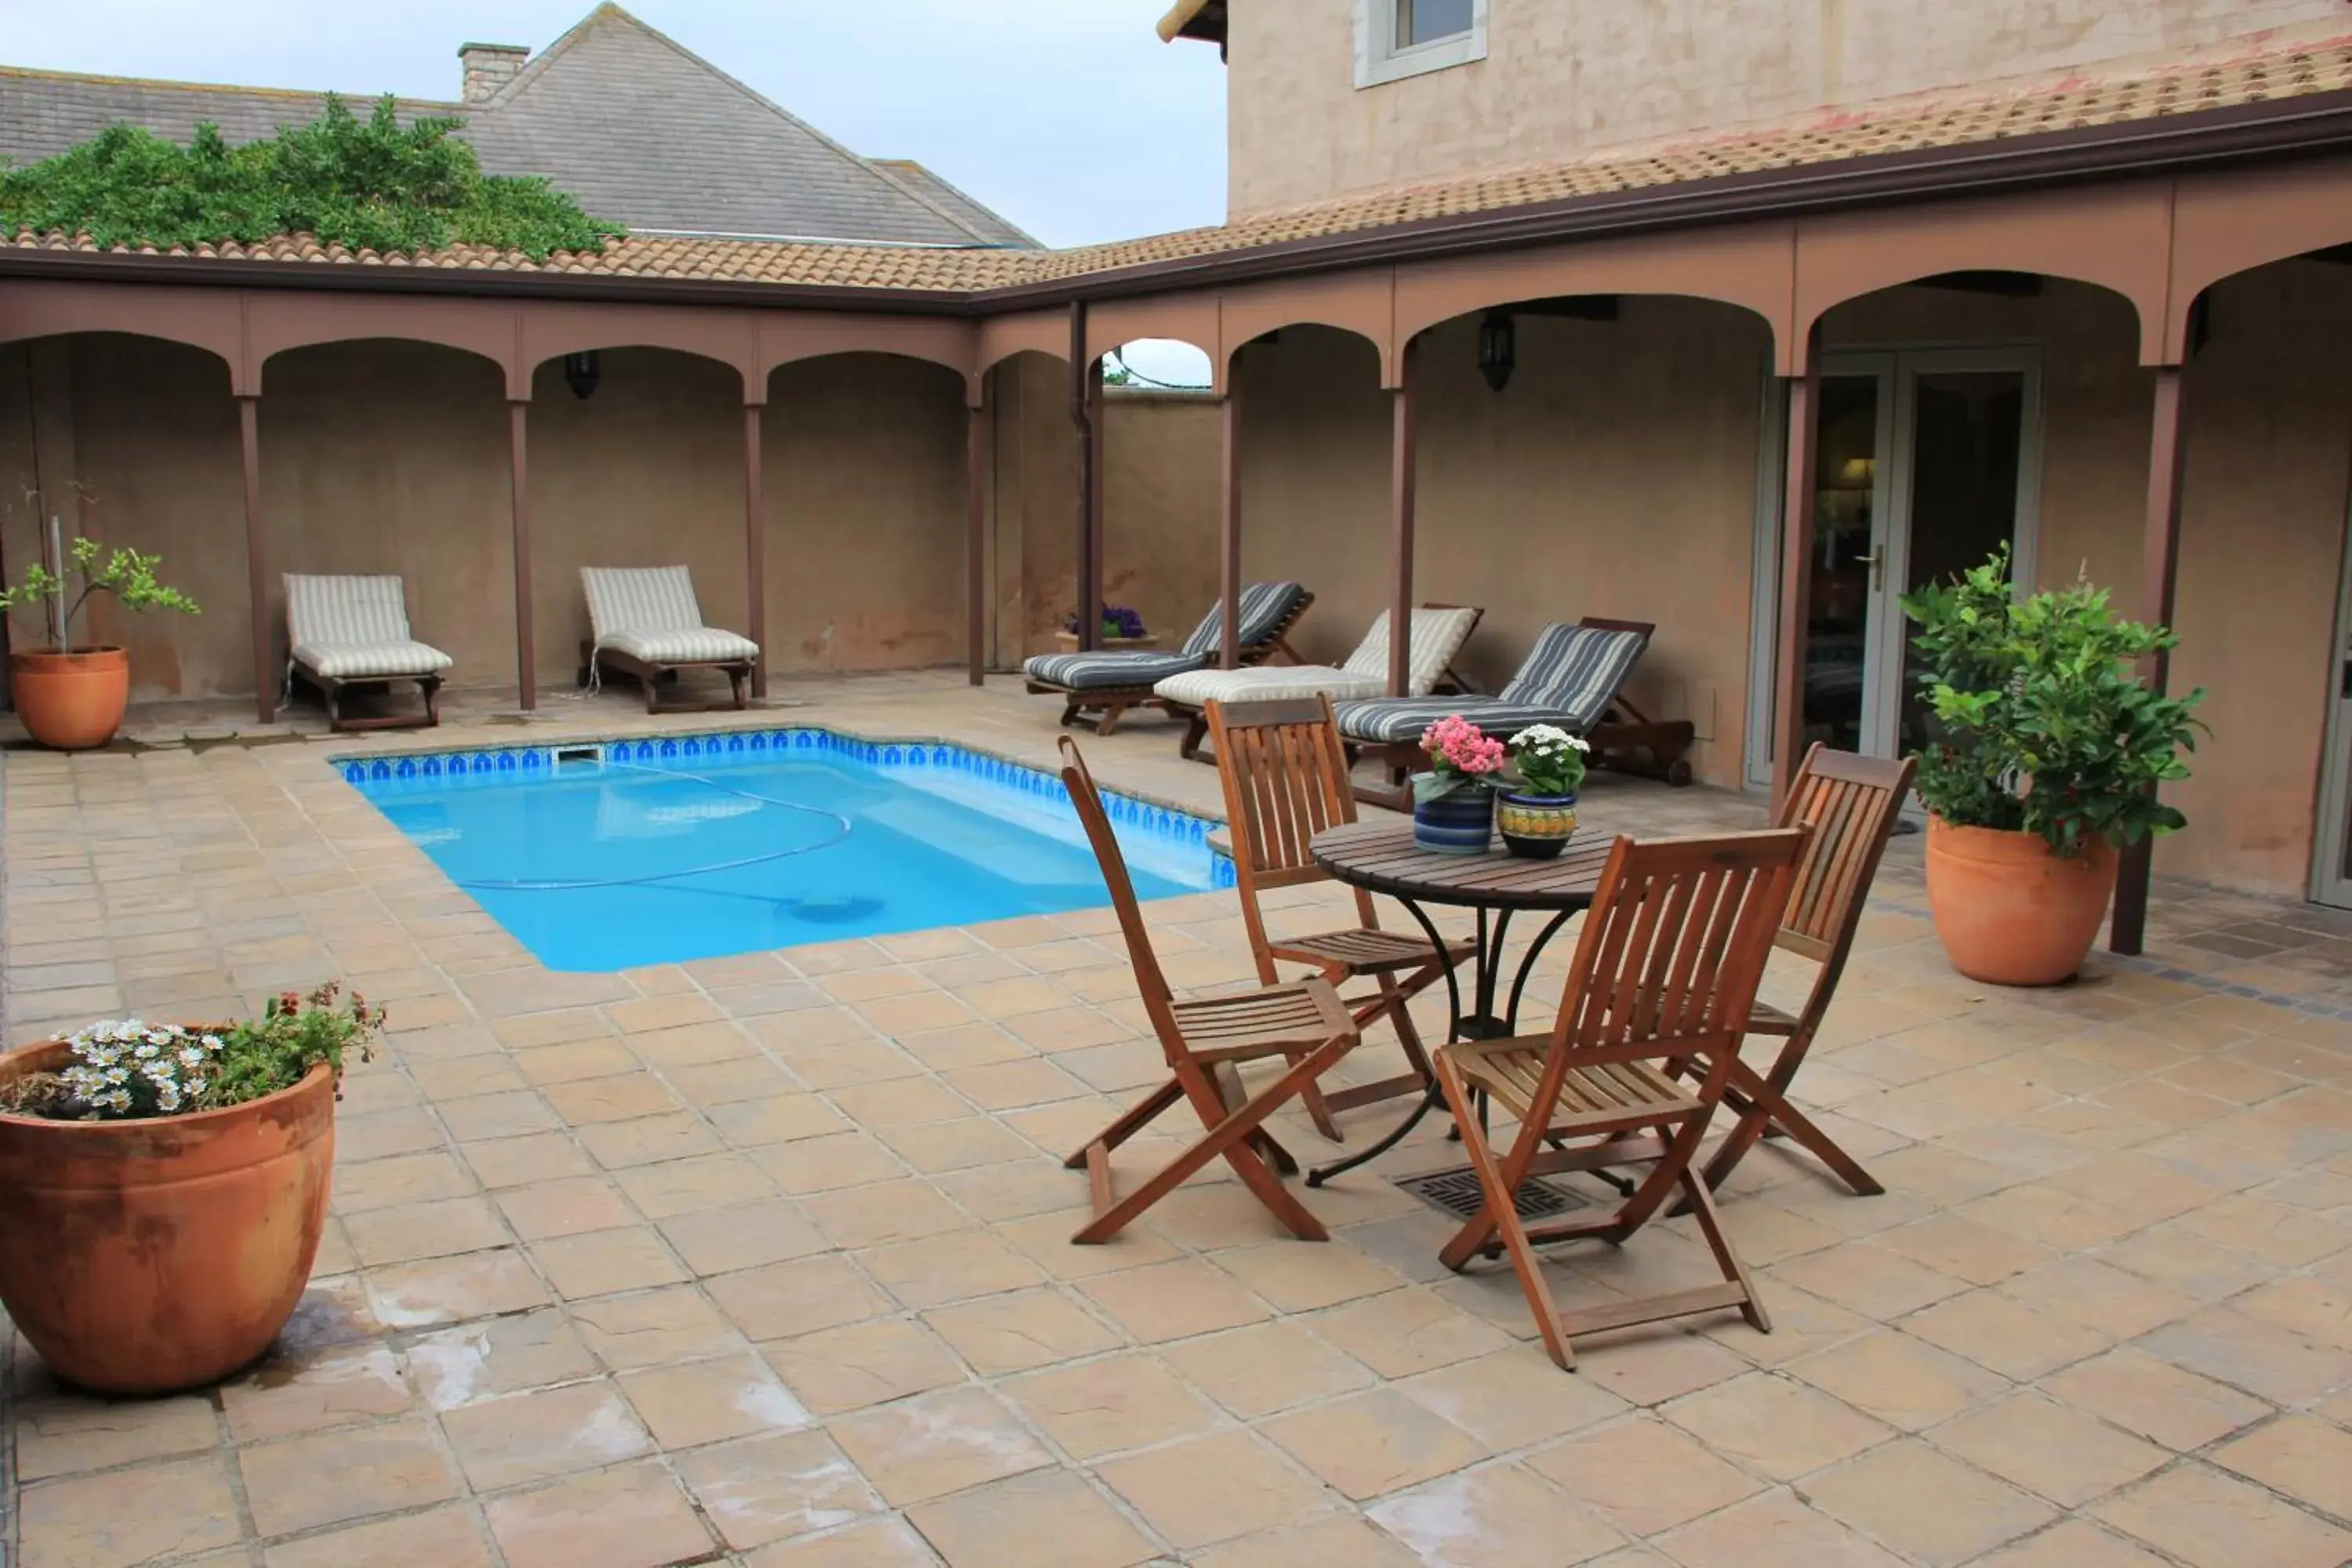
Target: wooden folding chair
1285 779
1850 803
1205 1040
1658 994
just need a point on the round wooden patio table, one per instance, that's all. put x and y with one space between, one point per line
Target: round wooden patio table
1381 858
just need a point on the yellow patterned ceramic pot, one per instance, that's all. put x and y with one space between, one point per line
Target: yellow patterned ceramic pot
1535 827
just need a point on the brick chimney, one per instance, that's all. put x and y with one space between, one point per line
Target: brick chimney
488 68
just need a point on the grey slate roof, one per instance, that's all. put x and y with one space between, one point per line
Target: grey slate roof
937 192
640 130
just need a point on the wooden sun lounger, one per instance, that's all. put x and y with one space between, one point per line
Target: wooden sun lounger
1112 703
1623 739
647 625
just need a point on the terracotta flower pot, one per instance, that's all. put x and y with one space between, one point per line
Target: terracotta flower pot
165 1253
71 701
2009 910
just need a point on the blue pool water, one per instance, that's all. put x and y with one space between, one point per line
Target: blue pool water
613 855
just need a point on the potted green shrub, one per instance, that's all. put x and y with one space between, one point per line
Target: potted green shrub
71 698
163 1187
2048 751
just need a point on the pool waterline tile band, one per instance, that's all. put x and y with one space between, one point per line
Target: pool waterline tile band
494 765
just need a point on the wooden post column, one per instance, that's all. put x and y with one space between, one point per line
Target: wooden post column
755 542
1804 398
976 425
1229 526
526 655
2159 577
256 558
1404 468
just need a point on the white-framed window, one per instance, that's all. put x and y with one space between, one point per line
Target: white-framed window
1398 38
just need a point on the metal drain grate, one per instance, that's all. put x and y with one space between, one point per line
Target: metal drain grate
1456 1193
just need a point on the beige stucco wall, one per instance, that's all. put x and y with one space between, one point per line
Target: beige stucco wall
1566 77
866 483
1161 474
2262 522
134 443
1615 476
2263 532
393 456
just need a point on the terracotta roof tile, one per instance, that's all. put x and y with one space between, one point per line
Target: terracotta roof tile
1825 137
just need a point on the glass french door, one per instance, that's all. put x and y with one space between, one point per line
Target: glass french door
1926 461
2331 861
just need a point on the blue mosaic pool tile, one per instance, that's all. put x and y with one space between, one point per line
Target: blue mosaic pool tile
1130 814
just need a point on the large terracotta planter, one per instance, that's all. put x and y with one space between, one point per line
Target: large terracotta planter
143 1256
2009 910
71 701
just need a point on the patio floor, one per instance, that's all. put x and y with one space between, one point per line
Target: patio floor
765 1261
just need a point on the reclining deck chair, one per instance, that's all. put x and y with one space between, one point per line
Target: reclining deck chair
1640 1053
1111 683
1285 780
353 632
1438 632
1850 803
1303 1023
1571 678
644 621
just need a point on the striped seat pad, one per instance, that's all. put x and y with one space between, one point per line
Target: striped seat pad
1388 719
650 612
350 629
697 644
1269 683
1110 671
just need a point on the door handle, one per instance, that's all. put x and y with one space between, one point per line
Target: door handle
1877 562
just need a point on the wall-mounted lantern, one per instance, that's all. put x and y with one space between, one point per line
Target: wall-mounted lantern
1498 348
582 372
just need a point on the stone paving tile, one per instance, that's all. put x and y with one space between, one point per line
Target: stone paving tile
769 1255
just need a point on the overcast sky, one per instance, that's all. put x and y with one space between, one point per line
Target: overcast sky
1068 115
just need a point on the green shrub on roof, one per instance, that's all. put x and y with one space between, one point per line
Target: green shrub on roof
373 184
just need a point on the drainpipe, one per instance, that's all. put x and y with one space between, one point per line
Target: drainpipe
1086 413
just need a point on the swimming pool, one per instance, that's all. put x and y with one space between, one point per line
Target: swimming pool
608 854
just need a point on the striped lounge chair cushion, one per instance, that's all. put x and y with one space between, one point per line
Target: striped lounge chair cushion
1437 635
1100 671
650 613
1569 679
1268 683
1264 607
353 629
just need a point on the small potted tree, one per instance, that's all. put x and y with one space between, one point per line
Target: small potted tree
71 698
163 1187
2046 758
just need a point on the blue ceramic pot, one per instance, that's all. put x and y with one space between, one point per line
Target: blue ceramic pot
1460 821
